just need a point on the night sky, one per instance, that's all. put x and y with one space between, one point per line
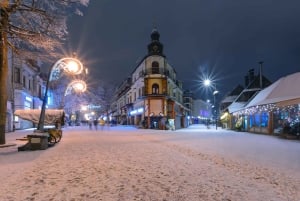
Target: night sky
222 39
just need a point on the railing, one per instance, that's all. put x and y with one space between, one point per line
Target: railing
154 71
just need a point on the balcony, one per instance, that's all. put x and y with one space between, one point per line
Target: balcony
156 71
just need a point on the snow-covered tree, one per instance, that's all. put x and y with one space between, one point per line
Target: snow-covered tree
102 95
31 29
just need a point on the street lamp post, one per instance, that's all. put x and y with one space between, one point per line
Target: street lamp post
208 83
215 108
71 66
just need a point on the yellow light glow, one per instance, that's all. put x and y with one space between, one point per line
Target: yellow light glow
224 115
72 66
77 86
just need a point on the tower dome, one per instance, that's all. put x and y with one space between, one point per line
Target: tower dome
155 35
155 47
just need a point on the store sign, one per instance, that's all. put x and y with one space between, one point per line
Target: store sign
137 111
28 99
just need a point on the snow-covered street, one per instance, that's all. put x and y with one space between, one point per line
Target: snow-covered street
125 164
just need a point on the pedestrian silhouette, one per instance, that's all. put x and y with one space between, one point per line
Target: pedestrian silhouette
90 124
96 124
102 123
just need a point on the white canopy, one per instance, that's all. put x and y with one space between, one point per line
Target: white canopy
284 91
33 115
236 106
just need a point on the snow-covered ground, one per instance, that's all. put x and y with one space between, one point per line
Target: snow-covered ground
124 163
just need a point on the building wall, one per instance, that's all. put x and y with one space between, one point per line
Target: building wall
25 88
201 111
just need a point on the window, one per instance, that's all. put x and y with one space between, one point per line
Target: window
259 120
264 119
155 67
24 81
40 91
143 91
17 75
140 92
155 89
29 84
141 73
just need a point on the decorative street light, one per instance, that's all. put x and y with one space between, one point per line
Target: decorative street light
77 86
208 83
71 66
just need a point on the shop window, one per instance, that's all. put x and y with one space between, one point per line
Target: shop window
259 120
264 119
251 121
256 120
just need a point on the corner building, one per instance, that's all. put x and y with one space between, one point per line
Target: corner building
155 96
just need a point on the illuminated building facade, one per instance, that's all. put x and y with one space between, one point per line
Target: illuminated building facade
152 97
25 89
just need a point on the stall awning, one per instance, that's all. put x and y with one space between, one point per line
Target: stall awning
33 115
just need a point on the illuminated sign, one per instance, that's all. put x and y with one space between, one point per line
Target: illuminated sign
140 110
28 99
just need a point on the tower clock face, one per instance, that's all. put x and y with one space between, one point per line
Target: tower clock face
155 48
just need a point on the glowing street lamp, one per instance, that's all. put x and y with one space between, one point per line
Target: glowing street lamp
208 83
78 86
71 66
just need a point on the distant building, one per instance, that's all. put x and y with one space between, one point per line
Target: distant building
188 102
152 97
201 111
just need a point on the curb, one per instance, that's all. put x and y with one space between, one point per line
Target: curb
7 145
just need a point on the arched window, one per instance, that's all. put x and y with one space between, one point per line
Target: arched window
155 67
155 89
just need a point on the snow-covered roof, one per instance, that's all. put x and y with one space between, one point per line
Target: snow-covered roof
236 106
229 99
284 89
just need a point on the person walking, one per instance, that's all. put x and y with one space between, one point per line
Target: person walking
96 124
102 123
90 123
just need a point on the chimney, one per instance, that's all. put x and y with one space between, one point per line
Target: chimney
251 75
246 80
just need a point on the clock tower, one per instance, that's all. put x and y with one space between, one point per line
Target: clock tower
155 47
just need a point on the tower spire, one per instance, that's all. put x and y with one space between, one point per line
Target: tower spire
155 47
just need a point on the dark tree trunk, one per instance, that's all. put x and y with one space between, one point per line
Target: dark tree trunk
3 73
